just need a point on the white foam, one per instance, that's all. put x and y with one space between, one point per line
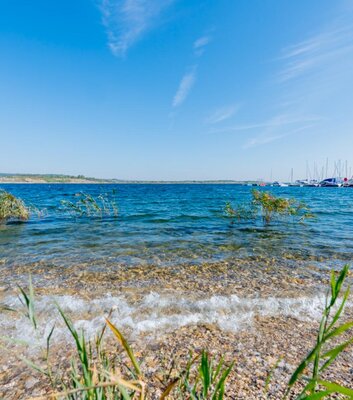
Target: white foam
154 313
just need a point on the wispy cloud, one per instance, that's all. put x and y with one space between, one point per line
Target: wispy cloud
318 52
189 78
126 21
275 128
222 114
277 122
200 44
260 140
185 86
311 73
272 137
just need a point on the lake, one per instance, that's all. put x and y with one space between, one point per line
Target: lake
170 224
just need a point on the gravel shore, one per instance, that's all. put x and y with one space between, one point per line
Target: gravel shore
264 316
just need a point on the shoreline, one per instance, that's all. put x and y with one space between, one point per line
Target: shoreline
156 298
130 183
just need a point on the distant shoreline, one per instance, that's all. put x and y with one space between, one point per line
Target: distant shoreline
125 183
52 183
80 179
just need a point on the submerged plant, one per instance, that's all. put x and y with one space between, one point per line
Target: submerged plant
103 205
267 206
271 206
12 208
241 212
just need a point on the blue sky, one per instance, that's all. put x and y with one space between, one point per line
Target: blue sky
175 89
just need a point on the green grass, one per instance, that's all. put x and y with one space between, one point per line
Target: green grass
208 380
12 208
99 374
324 353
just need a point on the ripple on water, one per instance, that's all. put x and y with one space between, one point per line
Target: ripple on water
174 224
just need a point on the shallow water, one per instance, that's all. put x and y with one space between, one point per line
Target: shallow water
215 272
173 224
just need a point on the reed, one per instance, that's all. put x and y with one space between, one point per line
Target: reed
97 374
324 352
12 208
208 380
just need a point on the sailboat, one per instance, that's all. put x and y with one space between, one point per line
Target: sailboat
279 184
348 182
332 182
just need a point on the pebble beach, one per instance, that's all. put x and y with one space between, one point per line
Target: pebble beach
261 315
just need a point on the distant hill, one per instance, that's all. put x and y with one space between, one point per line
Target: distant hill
50 178
57 178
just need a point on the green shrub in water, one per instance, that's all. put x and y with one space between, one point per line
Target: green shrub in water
268 207
12 208
103 205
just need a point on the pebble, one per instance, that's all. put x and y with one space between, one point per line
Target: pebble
255 350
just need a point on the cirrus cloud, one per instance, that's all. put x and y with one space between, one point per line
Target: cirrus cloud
185 86
126 21
222 114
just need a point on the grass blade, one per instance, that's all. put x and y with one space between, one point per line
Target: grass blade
317 396
332 354
220 386
126 346
169 388
336 388
339 311
338 331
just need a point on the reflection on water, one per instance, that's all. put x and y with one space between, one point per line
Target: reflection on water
171 224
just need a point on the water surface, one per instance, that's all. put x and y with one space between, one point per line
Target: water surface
166 224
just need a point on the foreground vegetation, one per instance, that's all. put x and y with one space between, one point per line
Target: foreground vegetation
99 374
268 207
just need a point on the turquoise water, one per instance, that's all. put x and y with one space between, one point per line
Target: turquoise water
171 224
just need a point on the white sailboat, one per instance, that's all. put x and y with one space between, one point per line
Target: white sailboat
332 182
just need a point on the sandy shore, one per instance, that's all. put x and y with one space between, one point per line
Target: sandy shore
253 311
